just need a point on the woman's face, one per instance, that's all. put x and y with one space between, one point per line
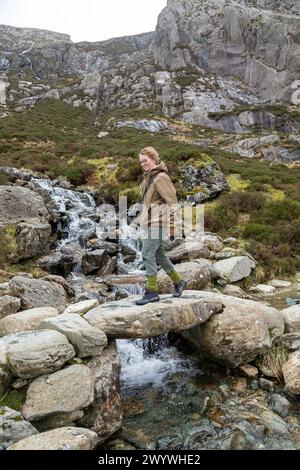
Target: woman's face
146 162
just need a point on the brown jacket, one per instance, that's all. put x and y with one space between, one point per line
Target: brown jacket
160 203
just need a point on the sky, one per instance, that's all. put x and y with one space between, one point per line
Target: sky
84 20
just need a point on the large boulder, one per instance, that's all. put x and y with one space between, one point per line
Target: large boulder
35 353
67 438
104 415
124 319
63 392
234 269
25 222
13 427
244 330
291 317
38 292
87 340
28 320
188 251
291 373
196 273
8 305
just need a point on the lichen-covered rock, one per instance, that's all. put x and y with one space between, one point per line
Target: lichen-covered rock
13 427
67 438
35 353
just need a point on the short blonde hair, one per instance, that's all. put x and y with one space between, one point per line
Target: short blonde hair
151 153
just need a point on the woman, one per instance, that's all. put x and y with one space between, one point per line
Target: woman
157 221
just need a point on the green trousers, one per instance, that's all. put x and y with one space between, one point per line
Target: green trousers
153 253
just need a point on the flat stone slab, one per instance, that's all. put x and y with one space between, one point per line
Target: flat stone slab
124 319
68 438
28 320
86 339
35 353
70 389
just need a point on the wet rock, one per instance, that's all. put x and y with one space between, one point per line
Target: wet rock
124 319
38 292
9 305
104 415
274 425
280 405
86 340
240 385
35 353
66 438
68 390
291 317
266 385
28 320
13 427
234 269
61 281
96 260
291 373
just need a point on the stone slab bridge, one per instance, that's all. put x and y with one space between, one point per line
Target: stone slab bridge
123 319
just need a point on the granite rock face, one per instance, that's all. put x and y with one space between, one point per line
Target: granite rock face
255 40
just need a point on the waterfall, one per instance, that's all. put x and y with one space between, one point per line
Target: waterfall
145 362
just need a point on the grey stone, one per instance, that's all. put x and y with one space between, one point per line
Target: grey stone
66 438
38 292
124 319
35 353
87 340
9 305
70 389
27 320
13 427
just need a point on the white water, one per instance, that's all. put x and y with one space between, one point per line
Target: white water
142 366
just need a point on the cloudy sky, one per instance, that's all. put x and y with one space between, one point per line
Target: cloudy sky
84 20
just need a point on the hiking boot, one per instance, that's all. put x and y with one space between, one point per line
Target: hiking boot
179 287
149 296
